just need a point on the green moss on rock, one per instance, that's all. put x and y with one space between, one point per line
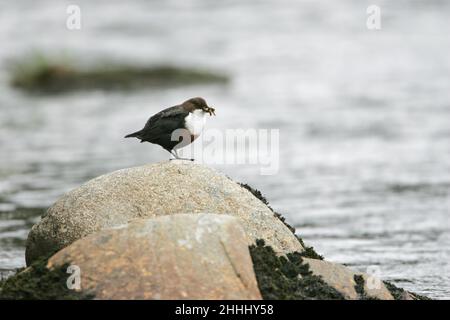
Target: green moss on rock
39 283
309 251
399 293
287 278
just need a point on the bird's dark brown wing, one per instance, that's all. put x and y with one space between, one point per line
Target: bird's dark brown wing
163 123
172 112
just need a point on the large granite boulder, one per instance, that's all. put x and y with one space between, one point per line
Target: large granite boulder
154 190
183 256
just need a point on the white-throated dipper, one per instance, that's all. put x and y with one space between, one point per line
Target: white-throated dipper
189 116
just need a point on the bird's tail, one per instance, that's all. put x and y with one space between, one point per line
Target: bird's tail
134 135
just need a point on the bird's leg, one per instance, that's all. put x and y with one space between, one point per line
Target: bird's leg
172 152
175 154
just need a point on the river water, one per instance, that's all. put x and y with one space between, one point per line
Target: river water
364 116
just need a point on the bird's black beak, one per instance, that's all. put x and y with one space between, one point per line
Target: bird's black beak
211 111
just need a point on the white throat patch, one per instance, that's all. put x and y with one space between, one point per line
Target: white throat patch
195 122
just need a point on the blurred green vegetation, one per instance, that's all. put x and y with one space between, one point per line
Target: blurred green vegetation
44 74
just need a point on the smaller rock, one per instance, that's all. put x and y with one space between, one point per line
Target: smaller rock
407 296
343 280
182 256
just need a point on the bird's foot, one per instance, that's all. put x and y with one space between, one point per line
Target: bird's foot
187 159
175 154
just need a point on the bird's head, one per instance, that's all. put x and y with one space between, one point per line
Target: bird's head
200 104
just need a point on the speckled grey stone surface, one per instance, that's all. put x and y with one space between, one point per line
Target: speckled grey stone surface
154 190
182 256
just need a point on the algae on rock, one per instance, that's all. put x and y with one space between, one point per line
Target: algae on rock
37 282
287 278
309 251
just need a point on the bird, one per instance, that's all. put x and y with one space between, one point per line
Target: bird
189 116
